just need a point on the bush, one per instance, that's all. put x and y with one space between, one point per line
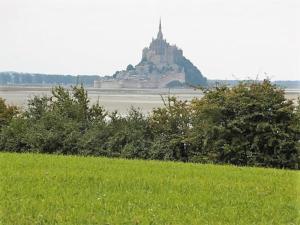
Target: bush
170 126
6 113
250 124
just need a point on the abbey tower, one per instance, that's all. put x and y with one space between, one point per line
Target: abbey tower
160 51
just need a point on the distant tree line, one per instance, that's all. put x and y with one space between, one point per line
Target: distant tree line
251 124
194 77
14 78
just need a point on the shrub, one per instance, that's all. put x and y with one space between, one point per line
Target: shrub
250 124
7 112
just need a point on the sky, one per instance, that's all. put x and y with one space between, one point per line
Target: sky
232 39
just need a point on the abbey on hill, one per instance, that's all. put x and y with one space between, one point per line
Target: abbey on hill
162 65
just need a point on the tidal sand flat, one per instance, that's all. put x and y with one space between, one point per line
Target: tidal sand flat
115 99
111 99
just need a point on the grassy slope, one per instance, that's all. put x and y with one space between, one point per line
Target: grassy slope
44 189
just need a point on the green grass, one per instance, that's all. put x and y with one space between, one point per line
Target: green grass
45 189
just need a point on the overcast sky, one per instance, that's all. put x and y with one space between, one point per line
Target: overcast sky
224 39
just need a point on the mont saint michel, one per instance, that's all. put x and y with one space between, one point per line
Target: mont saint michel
162 65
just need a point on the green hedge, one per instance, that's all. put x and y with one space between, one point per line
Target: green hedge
250 124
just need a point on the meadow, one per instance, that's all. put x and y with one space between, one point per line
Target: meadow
52 189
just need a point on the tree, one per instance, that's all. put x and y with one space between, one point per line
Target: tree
54 124
6 113
129 67
250 124
297 127
170 127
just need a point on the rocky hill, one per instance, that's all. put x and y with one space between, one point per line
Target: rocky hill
161 65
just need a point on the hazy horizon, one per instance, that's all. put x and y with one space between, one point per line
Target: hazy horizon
224 39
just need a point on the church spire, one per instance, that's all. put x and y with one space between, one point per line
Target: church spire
159 24
159 35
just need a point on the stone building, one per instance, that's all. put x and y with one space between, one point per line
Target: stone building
161 65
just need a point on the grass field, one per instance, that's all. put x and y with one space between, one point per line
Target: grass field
44 189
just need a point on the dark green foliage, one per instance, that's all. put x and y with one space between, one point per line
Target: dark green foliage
53 124
15 136
6 112
250 124
193 75
130 136
129 67
296 126
170 127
